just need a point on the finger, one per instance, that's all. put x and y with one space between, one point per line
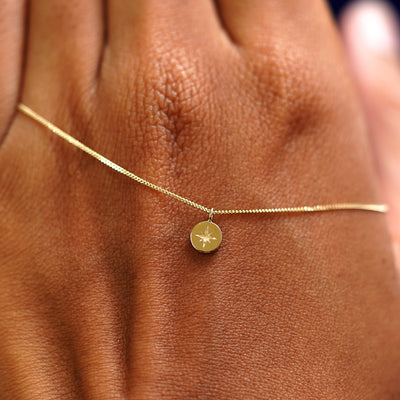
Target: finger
159 24
372 36
164 52
12 23
64 46
254 22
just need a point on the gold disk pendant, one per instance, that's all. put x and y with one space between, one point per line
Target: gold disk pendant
206 237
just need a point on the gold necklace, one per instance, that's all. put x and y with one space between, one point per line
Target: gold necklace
206 236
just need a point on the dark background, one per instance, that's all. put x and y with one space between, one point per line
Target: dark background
338 5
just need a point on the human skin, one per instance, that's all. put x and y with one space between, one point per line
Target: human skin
247 104
375 62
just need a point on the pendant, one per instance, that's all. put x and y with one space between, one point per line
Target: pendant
206 236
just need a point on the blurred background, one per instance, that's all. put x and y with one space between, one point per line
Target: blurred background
338 5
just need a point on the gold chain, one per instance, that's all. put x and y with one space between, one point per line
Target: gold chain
382 208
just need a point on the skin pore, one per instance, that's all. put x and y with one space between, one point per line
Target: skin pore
234 104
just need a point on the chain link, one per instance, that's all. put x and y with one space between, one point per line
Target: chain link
382 208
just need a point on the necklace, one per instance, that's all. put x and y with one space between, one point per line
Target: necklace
206 236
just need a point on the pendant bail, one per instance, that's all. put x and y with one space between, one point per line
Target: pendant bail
211 215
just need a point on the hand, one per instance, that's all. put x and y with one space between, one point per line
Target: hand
245 105
372 35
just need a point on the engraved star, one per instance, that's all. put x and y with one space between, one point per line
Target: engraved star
206 237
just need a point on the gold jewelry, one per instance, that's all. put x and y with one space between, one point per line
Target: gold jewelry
206 236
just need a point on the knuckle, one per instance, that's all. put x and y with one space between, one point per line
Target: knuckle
170 96
158 107
297 88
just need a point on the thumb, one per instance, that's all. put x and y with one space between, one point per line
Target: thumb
371 34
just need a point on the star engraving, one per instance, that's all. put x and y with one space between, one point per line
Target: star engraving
206 237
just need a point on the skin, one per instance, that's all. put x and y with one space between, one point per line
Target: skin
234 105
377 77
